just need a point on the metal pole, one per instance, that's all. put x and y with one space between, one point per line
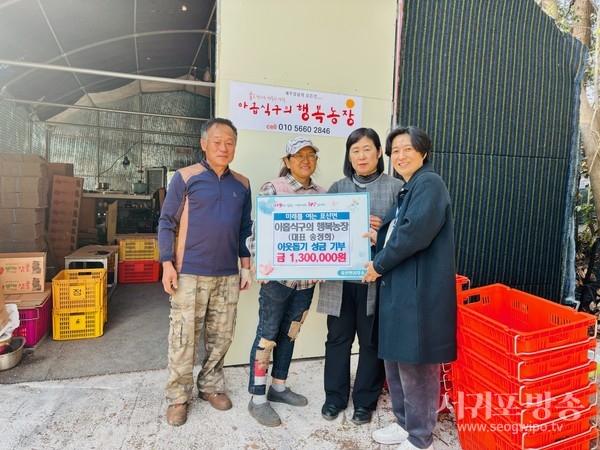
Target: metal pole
108 110
106 73
127 130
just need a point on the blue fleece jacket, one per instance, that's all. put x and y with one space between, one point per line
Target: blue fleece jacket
211 218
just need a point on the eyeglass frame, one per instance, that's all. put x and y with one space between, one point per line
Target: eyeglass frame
312 157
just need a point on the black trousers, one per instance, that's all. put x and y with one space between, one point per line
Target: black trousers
341 331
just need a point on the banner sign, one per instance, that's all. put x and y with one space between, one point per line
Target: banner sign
287 110
312 237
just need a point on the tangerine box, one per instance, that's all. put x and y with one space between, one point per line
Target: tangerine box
23 272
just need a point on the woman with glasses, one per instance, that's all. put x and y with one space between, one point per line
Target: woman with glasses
417 294
350 304
283 305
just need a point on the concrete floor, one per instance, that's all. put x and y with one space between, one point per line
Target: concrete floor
107 393
126 411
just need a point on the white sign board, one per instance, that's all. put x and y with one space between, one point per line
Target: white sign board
312 237
288 110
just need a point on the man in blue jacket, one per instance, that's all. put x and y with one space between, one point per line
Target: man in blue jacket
204 222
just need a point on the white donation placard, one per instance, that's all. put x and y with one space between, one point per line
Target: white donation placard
312 237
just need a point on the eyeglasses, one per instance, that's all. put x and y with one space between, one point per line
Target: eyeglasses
310 157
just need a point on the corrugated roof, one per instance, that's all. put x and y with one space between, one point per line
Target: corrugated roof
151 38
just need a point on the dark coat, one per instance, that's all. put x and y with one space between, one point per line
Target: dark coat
417 295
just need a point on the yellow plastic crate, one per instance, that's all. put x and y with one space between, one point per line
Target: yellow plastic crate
79 289
138 249
105 309
77 324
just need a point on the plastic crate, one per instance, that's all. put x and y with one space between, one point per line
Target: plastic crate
446 388
475 435
552 421
138 249
77 324
34 323
521 323
532 366
482 377
546 433
139 271
79 289
462 283
467 385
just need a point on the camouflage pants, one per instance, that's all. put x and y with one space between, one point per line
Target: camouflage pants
209 302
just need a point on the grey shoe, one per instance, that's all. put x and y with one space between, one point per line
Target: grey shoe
287 396
264 414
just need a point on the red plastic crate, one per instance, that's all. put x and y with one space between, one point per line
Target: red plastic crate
553 422
521 323
467 385
533 365
525 394
474 434
462 283
34 322
139 271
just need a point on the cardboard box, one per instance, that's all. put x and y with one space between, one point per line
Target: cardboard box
30 300
63 218
12 246
23 169
87 215
23 184
23 272
63 169
22 231
34 200
20 158
22 215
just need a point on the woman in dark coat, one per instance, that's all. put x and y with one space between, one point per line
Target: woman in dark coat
417 297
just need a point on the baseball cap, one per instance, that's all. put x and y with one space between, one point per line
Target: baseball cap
298 143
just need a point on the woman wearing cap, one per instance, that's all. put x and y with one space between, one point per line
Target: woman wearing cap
283 305
350 304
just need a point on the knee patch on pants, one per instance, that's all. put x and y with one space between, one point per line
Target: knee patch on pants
295 326
263 354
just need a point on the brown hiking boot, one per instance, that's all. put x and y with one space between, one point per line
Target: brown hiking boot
177 414
218 400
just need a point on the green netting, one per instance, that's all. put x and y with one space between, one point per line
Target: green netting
496 85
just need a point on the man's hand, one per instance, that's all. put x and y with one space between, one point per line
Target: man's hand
169 278
245 279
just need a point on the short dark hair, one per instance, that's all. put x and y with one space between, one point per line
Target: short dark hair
206 126
353 138
418 138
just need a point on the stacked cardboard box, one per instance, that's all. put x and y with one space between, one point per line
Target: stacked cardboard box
63 220
23 202
22 273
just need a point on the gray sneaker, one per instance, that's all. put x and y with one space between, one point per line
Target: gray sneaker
287 396
264 414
